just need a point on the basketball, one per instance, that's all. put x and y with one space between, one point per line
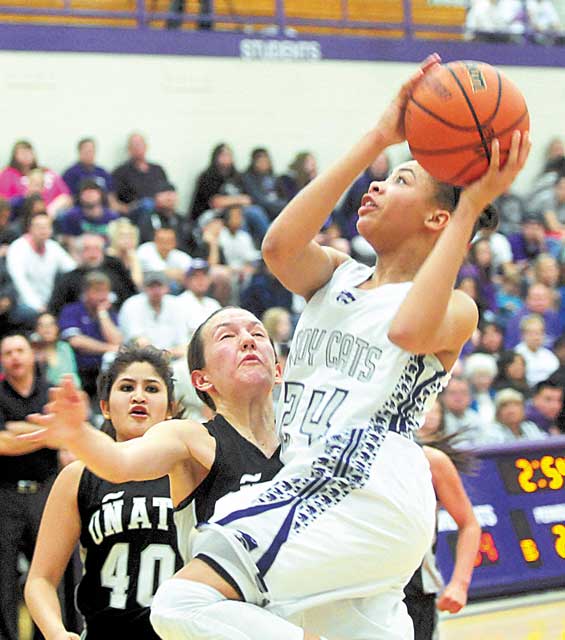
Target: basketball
453 115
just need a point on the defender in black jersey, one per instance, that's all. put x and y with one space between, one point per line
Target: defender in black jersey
234 370
126 529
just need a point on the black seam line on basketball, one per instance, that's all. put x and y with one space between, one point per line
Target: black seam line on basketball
473 114
469 165
433 115
499 98
467 147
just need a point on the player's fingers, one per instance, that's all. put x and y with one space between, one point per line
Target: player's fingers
514 150
494 165
525 148
430 62
39 419
35 436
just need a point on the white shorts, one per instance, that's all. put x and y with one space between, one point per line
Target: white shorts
295 544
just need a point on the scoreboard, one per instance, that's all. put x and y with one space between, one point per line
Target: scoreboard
518 496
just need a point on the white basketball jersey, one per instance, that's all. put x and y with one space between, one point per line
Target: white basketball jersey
343 374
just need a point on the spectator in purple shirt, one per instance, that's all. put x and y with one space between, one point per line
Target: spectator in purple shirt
538 300
532 241
87 169
88 216
91 328
545 405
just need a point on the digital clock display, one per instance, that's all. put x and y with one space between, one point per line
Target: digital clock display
518 496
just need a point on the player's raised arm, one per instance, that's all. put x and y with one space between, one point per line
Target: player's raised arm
289 248
151 456
433 318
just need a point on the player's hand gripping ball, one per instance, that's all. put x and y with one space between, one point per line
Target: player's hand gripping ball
453 115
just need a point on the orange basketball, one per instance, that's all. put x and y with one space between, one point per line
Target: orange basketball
453 115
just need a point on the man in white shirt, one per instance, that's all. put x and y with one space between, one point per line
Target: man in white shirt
34 260
162 255
196 305
541 362
152 316
459 418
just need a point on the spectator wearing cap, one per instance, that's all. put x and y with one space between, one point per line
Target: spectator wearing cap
162 255
90 215
541 362
152 317
91 328
90 254
197 307
539 300
86 170
510 423
545 405
164 214
136 181
531 241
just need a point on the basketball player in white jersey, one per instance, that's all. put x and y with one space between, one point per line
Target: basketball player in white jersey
333 538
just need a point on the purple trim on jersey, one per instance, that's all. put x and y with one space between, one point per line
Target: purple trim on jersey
356 436
253 511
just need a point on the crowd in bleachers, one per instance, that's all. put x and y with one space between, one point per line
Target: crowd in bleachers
514 21
93 259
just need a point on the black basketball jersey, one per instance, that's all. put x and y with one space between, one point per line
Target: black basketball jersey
129 546
238 462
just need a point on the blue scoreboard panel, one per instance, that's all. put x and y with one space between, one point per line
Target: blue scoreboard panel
518 496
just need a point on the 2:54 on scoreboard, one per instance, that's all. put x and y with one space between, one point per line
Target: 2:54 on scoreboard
529 475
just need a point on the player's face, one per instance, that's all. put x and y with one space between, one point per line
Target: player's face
394 208
239 355
138 400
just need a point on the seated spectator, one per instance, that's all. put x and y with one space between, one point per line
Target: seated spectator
302 170
547 272
197 306
539 300
264 291
559 378
511 211
500 250
531 241
479 265
495 20
278 324
511 424
346 214
13 315
511 373
89 215
34 260
544 20
550 206
162 255
15 181
56 356
260 183
164 214
508 298
8 230
152 317
220 186
554 152
545 405
91 257
91 328
491 340
86 170
468 281
480 370
461 421
236 244
541 362
207 247
136 181
124 239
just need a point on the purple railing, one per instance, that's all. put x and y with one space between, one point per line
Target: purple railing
142 17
